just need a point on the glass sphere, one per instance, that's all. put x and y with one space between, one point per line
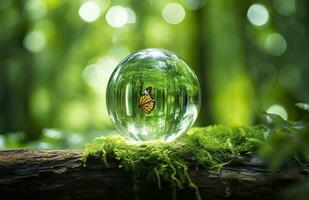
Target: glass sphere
153 95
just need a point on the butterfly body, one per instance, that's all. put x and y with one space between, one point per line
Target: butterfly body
146 101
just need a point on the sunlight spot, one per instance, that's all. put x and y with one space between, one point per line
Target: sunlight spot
131 16
275 44
117 16
52 133
173 13
35 41
278 110
257 15
89 11
119 52
97 75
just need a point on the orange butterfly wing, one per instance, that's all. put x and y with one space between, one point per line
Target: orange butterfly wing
146 103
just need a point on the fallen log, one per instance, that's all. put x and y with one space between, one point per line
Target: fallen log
61 175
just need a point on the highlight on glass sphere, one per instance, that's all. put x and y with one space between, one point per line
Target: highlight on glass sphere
153 95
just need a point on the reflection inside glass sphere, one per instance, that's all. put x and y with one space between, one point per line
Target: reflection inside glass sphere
153 95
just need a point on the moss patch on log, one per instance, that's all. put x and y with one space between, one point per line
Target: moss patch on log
211 147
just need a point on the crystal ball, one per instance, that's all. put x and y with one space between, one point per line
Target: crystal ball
153 95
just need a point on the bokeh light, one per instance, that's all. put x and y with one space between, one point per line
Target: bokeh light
89 11
51 133
289 76
194 4
119 52
173 13
40 102
275 44
285 7
69 112
96 75
257 14
2 141
117 16
35 41
278 110
131 16
36 9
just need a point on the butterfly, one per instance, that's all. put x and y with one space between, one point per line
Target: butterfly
146 102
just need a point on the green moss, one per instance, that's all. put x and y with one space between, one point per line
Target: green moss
212 147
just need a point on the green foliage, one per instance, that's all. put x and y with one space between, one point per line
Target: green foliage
304 106
213 146
286 140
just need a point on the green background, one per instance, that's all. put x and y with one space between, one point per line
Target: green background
249 56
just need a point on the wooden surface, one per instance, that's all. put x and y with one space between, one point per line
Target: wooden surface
29 174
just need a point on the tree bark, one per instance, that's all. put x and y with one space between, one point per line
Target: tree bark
26 174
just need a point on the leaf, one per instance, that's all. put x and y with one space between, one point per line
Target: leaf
303 106
275 119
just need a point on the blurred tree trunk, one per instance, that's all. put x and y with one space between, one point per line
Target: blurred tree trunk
203 56
16 78
141 15
230 87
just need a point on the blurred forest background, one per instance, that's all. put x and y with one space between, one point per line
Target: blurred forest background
56 57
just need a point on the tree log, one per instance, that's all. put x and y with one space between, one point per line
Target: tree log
32 174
